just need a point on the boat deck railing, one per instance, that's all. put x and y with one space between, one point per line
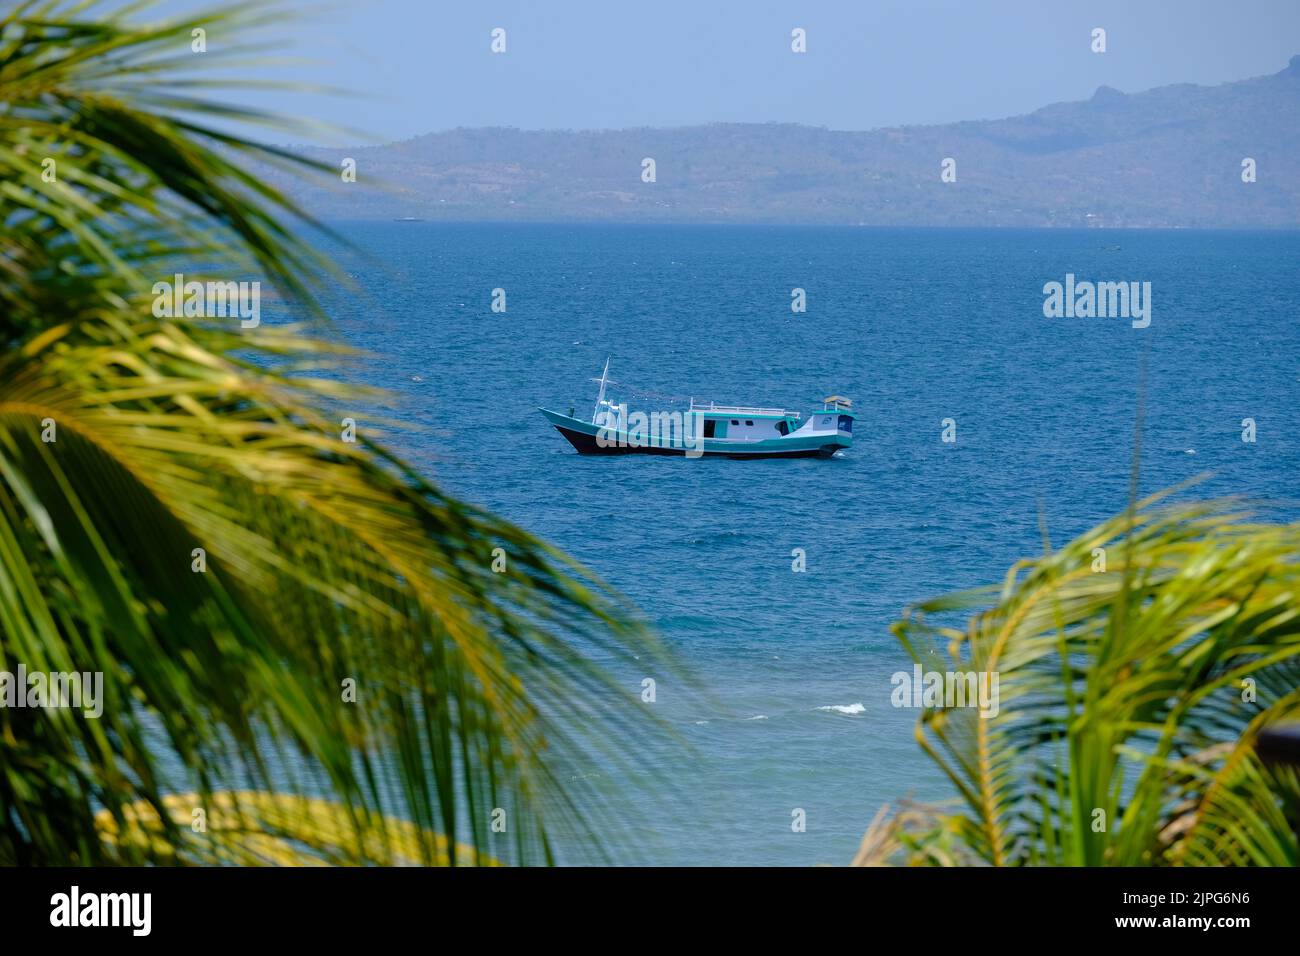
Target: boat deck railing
740 409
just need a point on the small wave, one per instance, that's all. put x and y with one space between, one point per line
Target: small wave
715 537
757 717
845 708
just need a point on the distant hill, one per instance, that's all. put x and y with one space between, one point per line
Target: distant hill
1169 157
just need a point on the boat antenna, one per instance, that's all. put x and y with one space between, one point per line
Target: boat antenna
604 377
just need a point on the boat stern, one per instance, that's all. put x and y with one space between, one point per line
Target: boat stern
833 423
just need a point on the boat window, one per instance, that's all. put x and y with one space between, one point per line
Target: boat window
846 424
734 422
782 428
710 427
749 421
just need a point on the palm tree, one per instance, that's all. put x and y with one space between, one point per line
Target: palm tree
1137 666
307 654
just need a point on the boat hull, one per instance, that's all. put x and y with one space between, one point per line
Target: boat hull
584 438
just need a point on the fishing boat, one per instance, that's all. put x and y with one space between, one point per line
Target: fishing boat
727 431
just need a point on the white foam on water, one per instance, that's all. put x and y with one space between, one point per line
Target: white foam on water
845 708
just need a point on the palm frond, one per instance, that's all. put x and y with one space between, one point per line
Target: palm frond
1129 696
199 531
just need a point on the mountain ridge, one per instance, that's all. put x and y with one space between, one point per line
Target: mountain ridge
1166 157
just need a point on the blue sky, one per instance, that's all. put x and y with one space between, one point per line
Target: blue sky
417 66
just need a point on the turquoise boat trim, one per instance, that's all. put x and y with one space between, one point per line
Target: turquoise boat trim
790 418
734 415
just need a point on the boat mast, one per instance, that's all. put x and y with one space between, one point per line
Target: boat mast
604 377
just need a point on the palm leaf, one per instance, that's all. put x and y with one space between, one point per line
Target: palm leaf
481 696
1129 698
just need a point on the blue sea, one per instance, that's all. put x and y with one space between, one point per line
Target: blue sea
916 326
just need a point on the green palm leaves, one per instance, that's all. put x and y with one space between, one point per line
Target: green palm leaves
179 511
1136 664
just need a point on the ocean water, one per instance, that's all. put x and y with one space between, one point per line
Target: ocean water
916 326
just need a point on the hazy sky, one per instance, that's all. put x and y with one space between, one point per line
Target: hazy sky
424 65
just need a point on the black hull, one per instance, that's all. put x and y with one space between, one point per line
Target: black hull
587 445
